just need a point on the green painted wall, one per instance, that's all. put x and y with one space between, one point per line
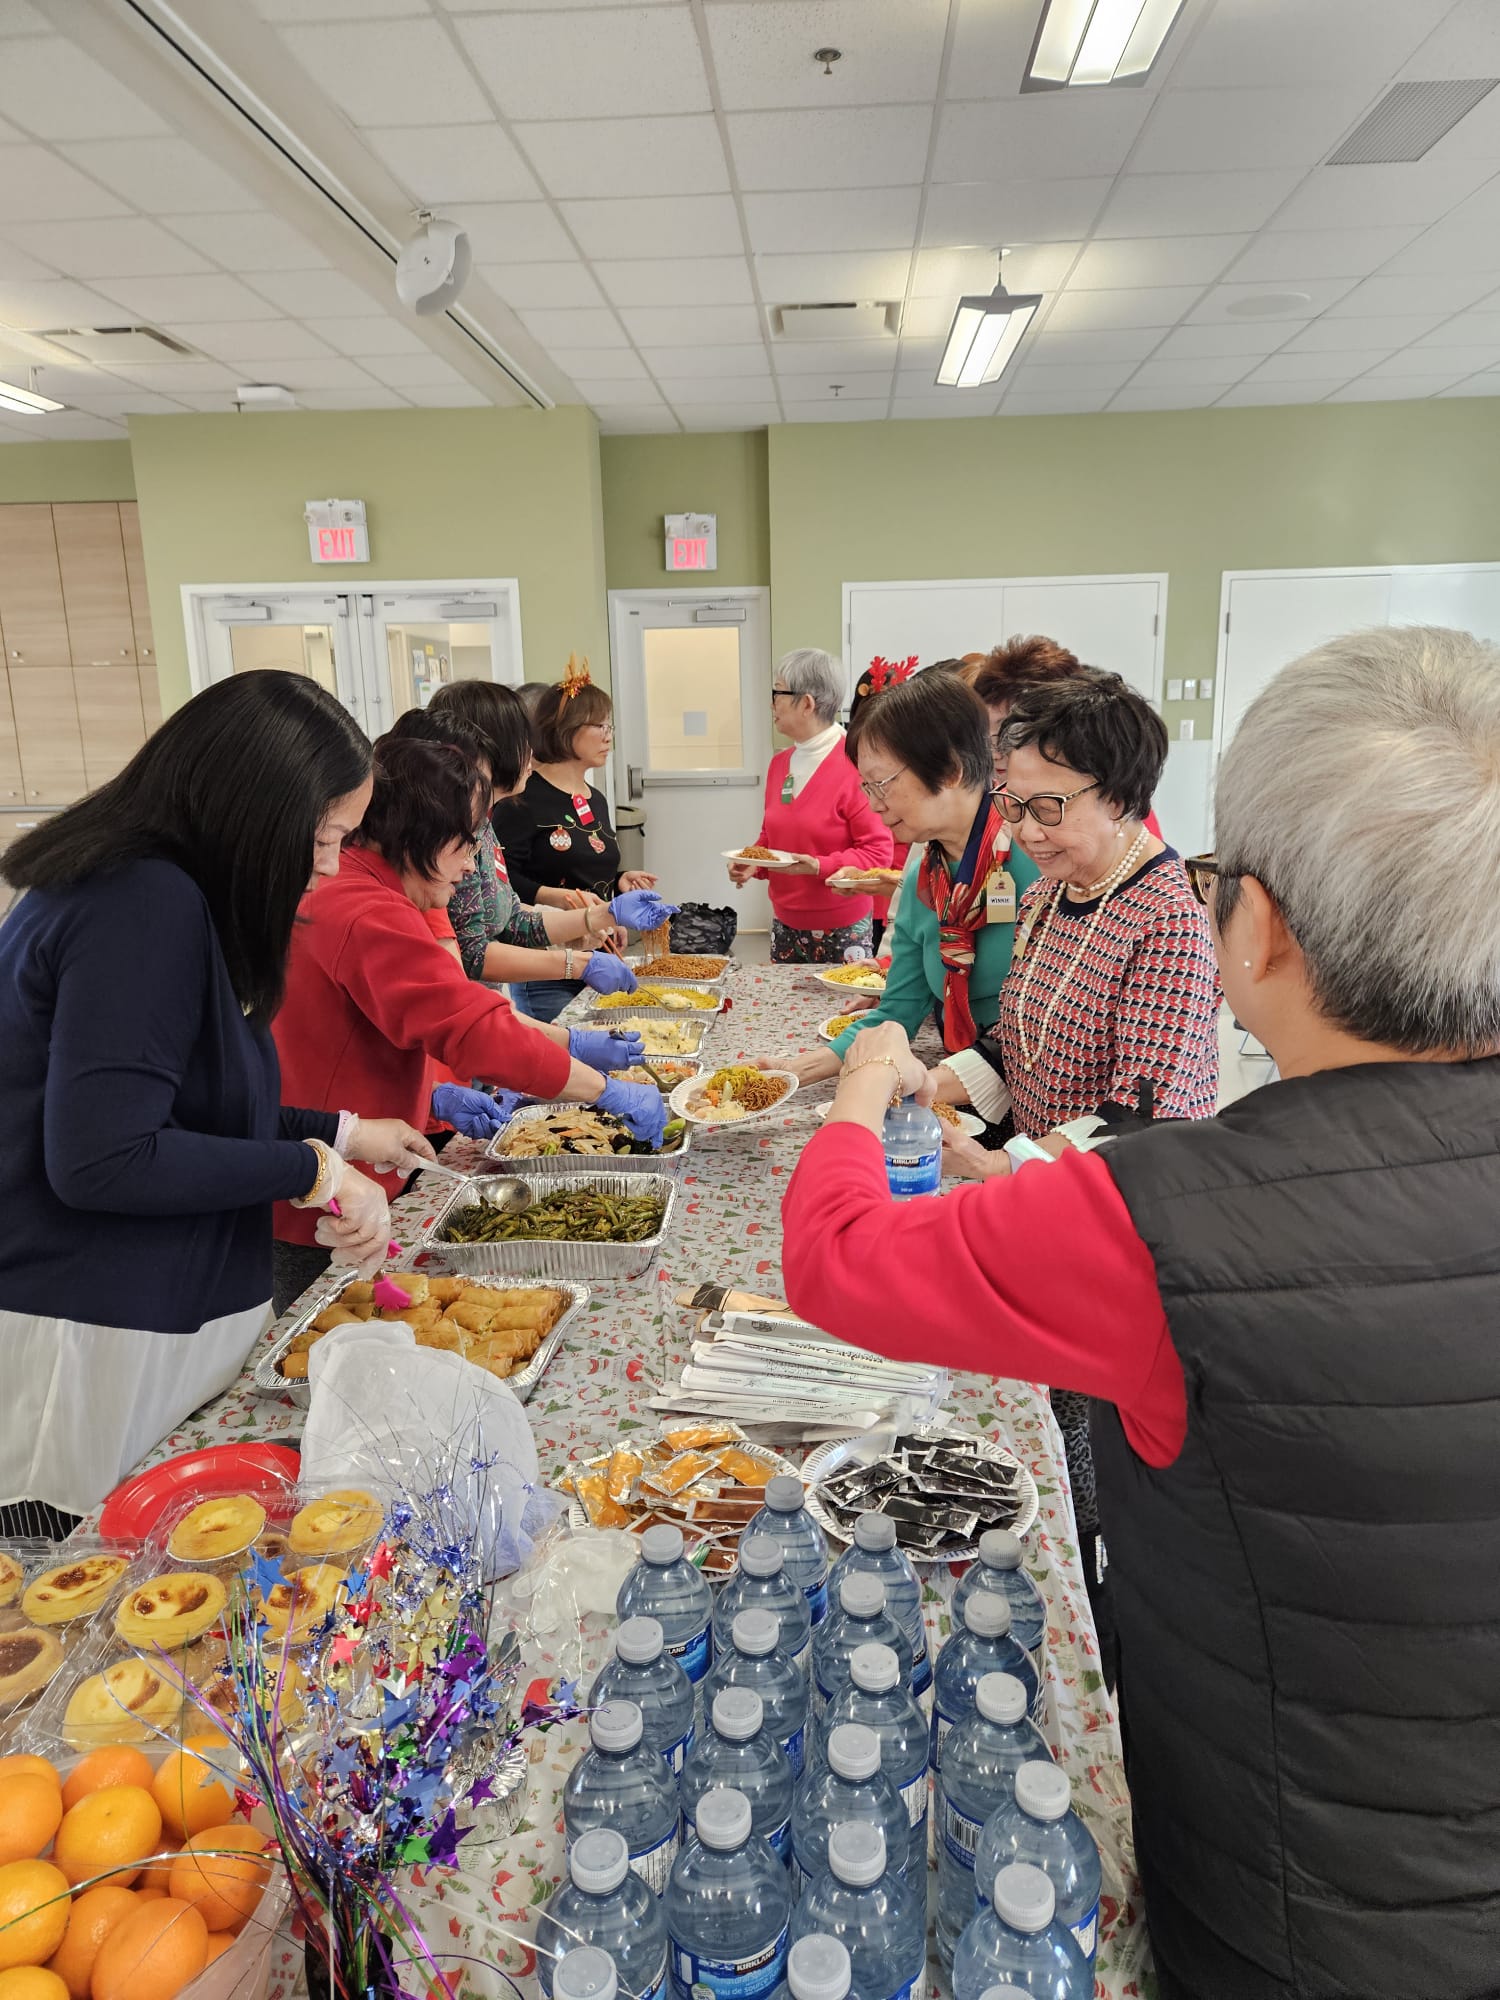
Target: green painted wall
66 472
1190 492
450 494
710 472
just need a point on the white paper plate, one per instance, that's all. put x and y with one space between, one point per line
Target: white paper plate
830 1457
824 1025
871 885
578 1519
843 986
780 858
967 1122
693 1084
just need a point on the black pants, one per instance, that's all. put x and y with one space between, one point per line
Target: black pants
24 1520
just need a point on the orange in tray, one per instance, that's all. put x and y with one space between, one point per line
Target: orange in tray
682 1471
153 1954
743 1467
119 1764
110 1832
34 1910
222 1874
94 1915
31 1810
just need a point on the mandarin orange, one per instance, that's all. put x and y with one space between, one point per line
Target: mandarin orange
94 1915
22 1765
109 1832
31 1811
152 1955
218 1943
223 1874
31 1982
190 1795
117 1764
34 1911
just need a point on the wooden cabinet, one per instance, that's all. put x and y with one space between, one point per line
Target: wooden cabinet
12 791
96 591
14 824
45 708
140 610
32 618
110 722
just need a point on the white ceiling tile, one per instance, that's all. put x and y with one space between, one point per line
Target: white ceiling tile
507 232
1166 260
1019 403
729 416
258 241
1157 305
718 389
831 359
991 45
882 218
323 371
626 156
1328 369
1212 372
524 286
56 302
51 89
1466 44
672 281
1217 131
174 377
38 186
16 266
337 10
575 326
1337 336
126 247
1305 300
617 394
1194 204
374 335
599 364
869 275
1390 389
353 399
238 342
1454 362
676 326
1258 395
1122 344
161 174
837 412
1401 295
19 17
452 163
1091 130
1420 191
830 149
389 72
445 396
857 386
1476 385
1465 240
206 298
940 404
568 64
416 371
1470 329
1034 211
73 427
656 226
319 294
627 422
1092 377
1268 41
129 403
1282 256
736 359
927 319
1246 336
1164 398
949 274
762 48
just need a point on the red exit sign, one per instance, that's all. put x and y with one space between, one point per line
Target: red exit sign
692 541
337 531
336 545
690 552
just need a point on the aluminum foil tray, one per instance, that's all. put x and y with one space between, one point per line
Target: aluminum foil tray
545 1258
582 1163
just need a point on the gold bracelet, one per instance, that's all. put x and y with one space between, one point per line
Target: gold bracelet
869 1062
314 1196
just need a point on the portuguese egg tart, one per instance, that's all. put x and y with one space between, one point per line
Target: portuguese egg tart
295 1609
335 1523
29 1657
170 1610
127 1703
72 1590
10 1579
222 1526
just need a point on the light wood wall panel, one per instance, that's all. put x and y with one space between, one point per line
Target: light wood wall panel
96 590
33 621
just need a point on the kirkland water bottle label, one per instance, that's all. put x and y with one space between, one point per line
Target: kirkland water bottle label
1087 1933
676 1753
692 1655
794 1748
913 1174
732 1978
940 1727
817 1600
921 1674
657 1990
780 1838
654 1864
915 1796
960 1834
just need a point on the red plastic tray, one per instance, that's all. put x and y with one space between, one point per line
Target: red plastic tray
133 1509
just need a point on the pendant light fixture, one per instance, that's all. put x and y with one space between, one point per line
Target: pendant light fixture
26 402
985 333
1098 41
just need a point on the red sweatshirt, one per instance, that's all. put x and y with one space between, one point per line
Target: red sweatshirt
374 1004
832 820
1038 1276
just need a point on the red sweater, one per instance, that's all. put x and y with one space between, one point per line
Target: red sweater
832 820
374 1004
1038 1276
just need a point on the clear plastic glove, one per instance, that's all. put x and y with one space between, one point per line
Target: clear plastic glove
608 974
640 1105
473 1112
357 1225
642 910
604 1051
389 1145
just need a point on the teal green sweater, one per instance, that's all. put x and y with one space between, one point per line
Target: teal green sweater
914 984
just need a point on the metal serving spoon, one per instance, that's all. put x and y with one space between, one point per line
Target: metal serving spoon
491 1185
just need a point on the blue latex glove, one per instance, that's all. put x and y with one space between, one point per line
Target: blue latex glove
642 910
641 1105
473 1112
608 974
604 1051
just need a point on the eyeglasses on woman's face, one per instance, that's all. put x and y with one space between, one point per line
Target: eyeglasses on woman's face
1202 873
782 694
875 789
1046 808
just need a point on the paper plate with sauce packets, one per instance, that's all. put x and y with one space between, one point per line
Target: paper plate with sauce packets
719 1485
943 1490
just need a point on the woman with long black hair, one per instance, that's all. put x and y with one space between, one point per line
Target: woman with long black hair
140 1093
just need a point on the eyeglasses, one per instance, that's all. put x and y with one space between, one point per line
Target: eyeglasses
782 694
1046 808
1202 873
875 791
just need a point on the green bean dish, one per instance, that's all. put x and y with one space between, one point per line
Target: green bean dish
571 1215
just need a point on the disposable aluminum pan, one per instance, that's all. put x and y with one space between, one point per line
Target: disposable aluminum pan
271 1382
715 985
599 1017
582 1163
612 1018
544 1257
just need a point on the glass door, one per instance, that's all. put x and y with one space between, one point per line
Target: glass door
301 631
418 638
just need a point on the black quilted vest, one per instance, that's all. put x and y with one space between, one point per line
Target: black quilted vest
1309 1598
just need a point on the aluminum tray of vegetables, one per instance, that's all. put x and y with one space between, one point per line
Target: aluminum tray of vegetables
581 1225
567 1138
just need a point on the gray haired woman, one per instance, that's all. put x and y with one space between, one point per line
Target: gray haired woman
816 812
1287 1314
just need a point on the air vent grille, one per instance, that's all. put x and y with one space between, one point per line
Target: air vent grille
1409 120
845 320
114 344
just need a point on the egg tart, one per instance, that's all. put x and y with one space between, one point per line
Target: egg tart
29 1657
72 1590
10 1579
222 1526
335 1523
127 1703
171 1610
295 1609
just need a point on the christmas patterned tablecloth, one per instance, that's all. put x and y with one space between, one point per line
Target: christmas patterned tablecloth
631 1341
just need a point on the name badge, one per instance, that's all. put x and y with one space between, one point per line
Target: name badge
786 789
1000 898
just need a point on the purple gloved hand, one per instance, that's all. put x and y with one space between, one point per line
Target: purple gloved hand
642 910
640 1105
608 974
603 1050
473 1112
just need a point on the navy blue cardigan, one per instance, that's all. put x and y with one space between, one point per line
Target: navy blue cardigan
142 1136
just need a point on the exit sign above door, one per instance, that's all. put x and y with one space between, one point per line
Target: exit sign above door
336 531
692 541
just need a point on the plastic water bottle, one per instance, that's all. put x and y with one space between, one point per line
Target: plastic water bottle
980 1762
980 1644
913 1139
817 1968
874 1552
1017 1937
876 1698
666 1587
850 1785
621 1782
605 1903
763 1583
728 1906
860 1620
644 1672
754 1660
736 1750
784 1518
589 1974
879 1917
1040 1826
999 1570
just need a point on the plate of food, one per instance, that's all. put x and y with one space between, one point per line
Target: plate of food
664 1072
558 1135
949 1114
943 1490
763 857
867 976
733 1095
867 881
834 1026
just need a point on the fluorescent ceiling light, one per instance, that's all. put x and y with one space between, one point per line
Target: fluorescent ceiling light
26 402
985 333
1098 41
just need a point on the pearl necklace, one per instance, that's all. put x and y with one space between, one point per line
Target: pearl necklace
1106 885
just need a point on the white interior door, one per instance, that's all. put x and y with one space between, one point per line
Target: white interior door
1272 619
419 636
312 632
692 691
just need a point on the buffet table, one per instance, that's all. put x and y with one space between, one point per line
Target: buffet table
632 1340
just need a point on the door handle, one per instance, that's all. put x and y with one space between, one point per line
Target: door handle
635 781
